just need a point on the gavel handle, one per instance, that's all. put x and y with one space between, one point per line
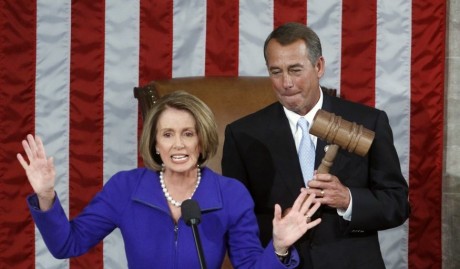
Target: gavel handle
324 167
328 159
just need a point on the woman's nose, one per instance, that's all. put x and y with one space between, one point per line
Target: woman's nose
178 143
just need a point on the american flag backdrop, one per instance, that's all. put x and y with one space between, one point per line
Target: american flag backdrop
67 70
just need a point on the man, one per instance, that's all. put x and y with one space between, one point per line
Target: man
359 197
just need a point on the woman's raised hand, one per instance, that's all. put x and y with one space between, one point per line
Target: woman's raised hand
40 170
296 221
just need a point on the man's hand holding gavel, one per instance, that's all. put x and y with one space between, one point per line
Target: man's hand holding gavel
329 191
339 133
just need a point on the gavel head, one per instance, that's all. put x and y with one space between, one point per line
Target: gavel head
348 135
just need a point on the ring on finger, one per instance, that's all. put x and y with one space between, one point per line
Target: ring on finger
322 192
308 218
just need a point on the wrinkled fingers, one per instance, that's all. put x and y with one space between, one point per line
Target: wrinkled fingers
21 160
307 203
298 203
312 210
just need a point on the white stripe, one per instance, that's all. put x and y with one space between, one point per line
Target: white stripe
121 72
255 24
325 18
392 84
52 104
189 38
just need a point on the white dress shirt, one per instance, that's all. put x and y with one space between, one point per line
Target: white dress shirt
293 118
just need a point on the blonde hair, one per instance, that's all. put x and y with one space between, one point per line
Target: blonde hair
205 126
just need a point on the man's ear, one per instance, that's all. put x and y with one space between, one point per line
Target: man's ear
320 66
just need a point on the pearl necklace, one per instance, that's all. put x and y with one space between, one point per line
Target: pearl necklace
168 196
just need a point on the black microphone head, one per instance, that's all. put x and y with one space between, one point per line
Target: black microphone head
191 212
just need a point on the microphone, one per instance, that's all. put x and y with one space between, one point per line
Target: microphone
191 214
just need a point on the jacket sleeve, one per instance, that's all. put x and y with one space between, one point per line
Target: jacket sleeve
232 165
383 204
72 238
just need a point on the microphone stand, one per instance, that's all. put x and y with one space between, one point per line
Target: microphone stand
199 248
191 214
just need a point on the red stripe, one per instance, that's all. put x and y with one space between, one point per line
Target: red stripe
155 55
289 11
17 102
358 51
86 113
222 35
155 44
427 121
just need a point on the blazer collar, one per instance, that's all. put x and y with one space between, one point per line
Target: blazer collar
208 194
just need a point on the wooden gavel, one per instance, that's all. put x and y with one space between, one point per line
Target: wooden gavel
339 133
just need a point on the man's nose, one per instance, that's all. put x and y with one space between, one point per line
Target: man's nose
287 81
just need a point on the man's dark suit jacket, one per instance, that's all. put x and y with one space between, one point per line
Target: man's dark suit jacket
260 151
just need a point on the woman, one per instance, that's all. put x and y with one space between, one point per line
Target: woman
178 137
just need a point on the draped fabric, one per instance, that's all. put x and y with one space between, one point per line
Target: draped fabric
67 70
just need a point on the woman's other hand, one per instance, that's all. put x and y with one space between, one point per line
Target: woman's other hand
40 170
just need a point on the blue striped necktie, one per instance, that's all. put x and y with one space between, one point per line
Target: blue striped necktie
306 151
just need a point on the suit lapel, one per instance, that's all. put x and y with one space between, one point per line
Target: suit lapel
285 154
